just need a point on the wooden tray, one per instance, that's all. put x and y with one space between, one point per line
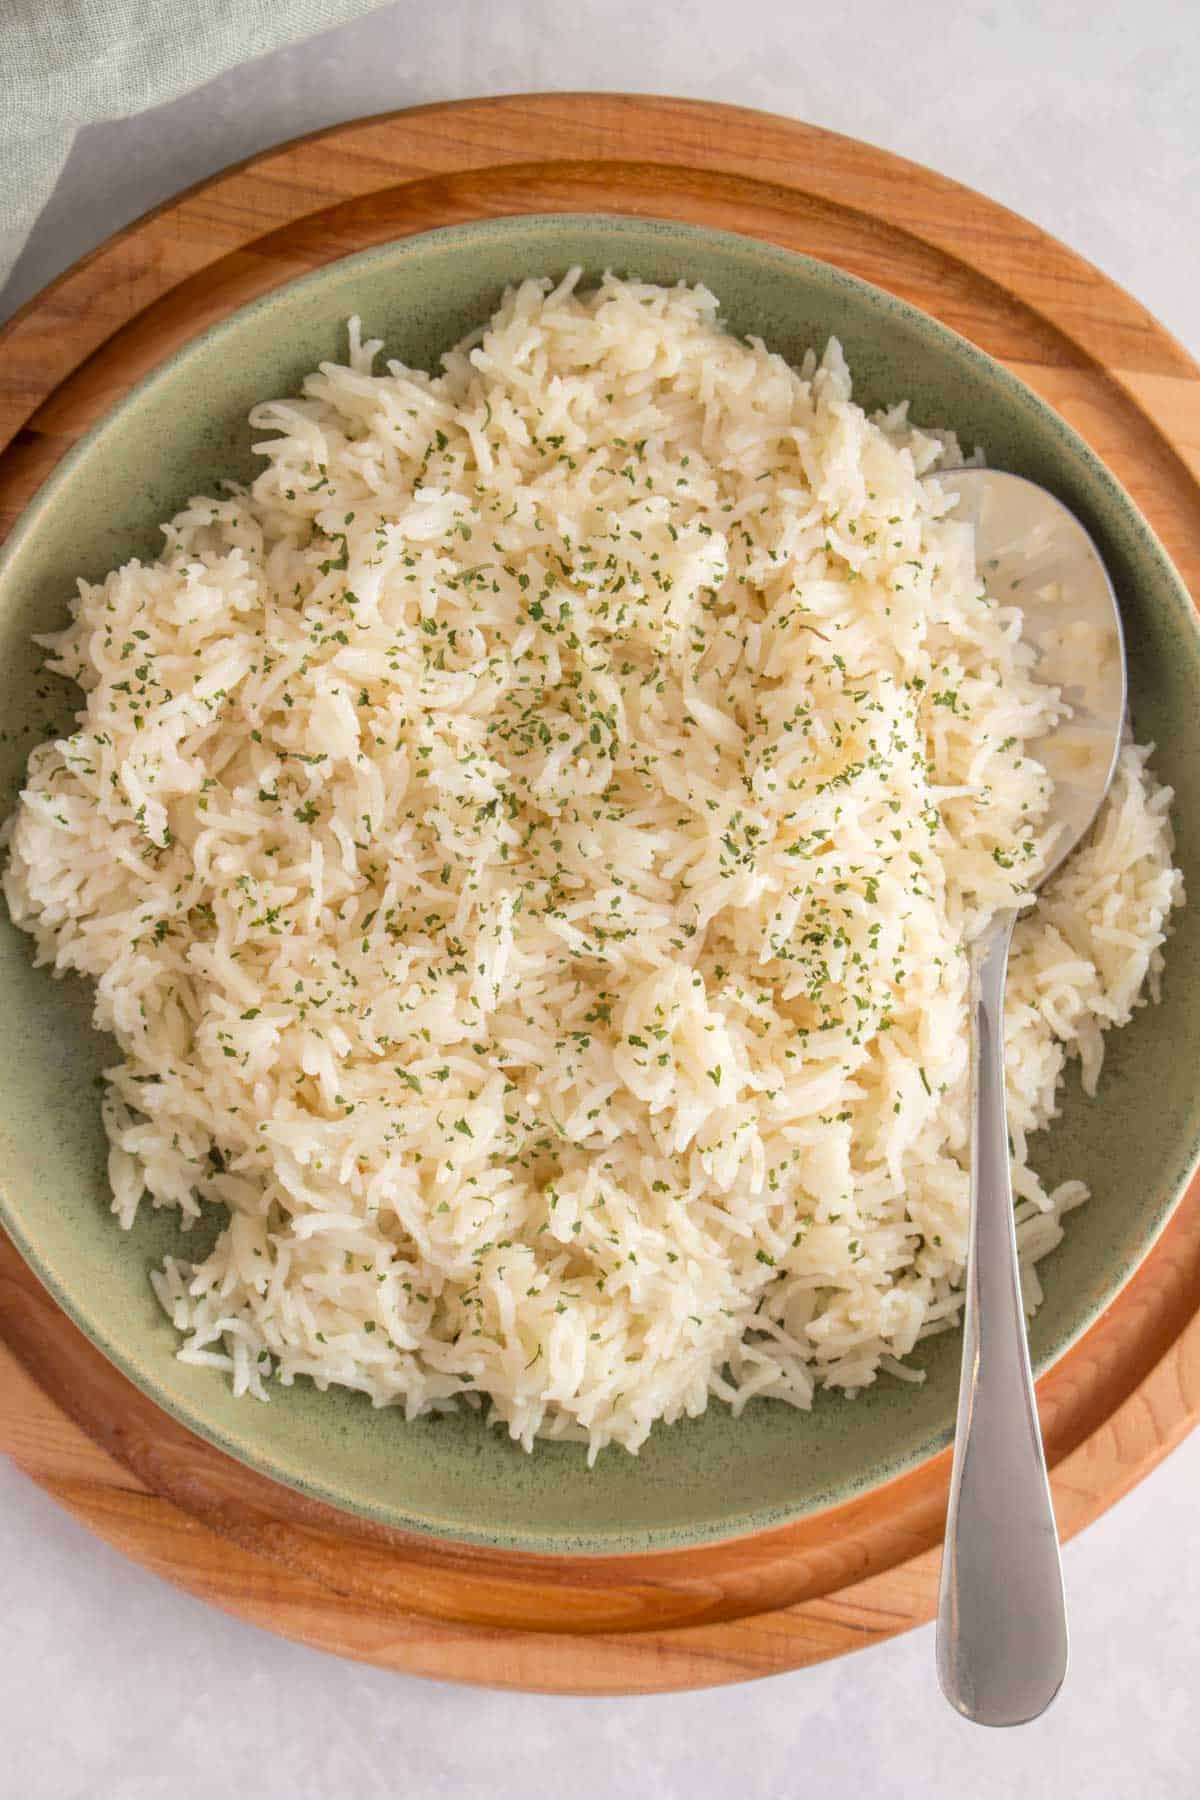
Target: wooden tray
851 1576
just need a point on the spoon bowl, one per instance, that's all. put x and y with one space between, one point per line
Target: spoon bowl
1033 553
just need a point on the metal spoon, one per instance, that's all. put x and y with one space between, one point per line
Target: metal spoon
1001 1627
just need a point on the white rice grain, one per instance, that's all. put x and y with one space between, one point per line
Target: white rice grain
525 847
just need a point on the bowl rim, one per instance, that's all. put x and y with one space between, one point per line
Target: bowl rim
943 339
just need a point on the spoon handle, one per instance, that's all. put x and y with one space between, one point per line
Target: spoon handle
1001 1627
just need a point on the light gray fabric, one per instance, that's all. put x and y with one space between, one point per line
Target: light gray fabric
66 63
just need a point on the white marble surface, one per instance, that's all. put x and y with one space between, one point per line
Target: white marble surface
1080 114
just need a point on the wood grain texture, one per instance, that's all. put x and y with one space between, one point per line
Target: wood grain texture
1110 1409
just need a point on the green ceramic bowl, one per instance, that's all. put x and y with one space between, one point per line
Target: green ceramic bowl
183 430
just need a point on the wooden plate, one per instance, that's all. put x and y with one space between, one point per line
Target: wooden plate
847 1577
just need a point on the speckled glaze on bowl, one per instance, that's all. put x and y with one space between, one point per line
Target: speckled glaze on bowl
184 429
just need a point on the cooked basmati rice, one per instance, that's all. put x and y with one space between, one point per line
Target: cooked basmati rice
524 847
